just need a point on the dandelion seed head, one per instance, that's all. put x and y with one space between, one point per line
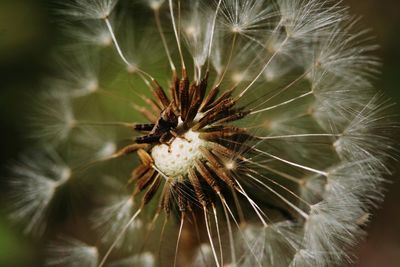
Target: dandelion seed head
251 128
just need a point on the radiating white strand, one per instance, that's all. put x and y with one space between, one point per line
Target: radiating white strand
178 42
218 234
256 208
281 159
230 233
238 226
118 237
179 238
131 67
120 53
282 104
292 163
289 136
263 165
163 39
281 186
264 68
284 89
109 220
302 213
210 237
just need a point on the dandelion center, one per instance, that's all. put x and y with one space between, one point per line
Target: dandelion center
179 156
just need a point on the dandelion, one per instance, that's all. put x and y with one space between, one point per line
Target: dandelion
252 136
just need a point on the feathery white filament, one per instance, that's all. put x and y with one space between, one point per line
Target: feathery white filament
89 9
36 180
72 252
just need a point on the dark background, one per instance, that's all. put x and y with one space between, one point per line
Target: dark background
28 34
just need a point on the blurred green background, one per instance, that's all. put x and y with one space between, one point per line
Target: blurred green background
27 36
